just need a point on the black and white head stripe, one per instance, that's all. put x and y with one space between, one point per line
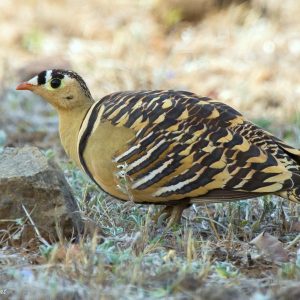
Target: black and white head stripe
41 78
47 75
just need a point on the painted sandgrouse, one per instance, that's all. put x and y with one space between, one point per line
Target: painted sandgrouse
167 147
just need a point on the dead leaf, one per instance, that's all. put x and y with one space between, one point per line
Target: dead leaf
271 247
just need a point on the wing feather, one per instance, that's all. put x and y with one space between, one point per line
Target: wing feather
188 146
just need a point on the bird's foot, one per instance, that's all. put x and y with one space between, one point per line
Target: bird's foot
172 214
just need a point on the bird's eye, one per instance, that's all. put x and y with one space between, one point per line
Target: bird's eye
55 83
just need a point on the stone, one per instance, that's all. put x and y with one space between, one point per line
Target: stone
31 182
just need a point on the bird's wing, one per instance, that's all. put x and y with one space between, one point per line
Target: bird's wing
188 147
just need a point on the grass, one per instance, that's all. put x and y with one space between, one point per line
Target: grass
141 260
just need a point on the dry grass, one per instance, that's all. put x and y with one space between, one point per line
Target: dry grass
246 55
139 259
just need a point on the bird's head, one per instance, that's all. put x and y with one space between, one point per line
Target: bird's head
61 88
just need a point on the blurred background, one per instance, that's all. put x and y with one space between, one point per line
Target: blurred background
245 53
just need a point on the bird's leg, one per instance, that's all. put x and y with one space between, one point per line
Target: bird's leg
175 214
172 213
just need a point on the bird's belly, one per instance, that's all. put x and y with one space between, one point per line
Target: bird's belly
111 178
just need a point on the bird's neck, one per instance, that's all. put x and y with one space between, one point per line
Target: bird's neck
69 125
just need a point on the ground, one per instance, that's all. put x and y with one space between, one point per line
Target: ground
246 54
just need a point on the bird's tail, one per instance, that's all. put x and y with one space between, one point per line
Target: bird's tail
292 194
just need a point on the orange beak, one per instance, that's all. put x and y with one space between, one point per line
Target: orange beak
25 86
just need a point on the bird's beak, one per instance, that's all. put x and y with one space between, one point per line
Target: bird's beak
25 86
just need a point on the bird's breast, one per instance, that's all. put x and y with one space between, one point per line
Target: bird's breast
102 145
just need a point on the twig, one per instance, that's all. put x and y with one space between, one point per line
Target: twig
212 223
210 220
8 220
293 242
42 240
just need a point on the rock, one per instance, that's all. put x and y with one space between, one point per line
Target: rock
29 180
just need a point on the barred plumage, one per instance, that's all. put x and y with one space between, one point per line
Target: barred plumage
196 145
171 147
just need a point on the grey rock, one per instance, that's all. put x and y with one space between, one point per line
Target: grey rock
30 179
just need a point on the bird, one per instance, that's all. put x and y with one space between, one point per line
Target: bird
167 147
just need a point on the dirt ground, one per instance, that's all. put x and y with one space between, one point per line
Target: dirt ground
246 54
